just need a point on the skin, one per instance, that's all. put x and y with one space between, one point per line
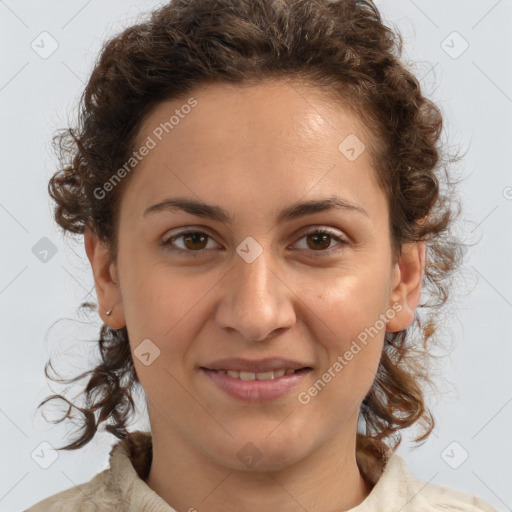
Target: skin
254 150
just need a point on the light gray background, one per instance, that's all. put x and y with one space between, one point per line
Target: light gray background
37 97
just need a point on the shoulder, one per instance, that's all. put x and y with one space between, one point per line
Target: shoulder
396 488
120 487
115 488
90 496
429 497
444 498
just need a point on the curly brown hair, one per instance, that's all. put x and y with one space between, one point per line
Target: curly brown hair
341 47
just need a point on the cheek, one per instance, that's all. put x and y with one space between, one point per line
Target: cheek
353 303
352 351
154 298
155 315
353 310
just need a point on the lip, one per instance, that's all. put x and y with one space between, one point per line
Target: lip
256 390
261 365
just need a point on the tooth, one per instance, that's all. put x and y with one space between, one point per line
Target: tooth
265 375
247 376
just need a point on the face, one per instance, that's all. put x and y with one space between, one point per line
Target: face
258 290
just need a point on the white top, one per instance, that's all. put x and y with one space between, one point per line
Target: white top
121 487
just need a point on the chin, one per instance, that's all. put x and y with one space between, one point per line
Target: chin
261 452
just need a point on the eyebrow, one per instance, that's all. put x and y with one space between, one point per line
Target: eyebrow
213 212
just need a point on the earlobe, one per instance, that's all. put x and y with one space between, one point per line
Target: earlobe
407 283
105 280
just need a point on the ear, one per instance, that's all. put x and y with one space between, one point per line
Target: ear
105 280
406 287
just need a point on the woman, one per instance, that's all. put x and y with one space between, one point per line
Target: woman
259 189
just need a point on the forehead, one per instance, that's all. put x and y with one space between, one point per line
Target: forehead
293 111
276 139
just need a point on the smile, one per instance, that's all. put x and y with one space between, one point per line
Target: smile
256 386
271 375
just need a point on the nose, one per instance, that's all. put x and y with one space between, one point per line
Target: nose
256 299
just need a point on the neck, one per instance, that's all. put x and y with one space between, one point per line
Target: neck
327 480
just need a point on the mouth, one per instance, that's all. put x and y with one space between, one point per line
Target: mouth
256 386
268 375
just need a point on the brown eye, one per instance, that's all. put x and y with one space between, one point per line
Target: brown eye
192 242
319 240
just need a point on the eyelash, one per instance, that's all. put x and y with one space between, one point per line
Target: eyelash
314 231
